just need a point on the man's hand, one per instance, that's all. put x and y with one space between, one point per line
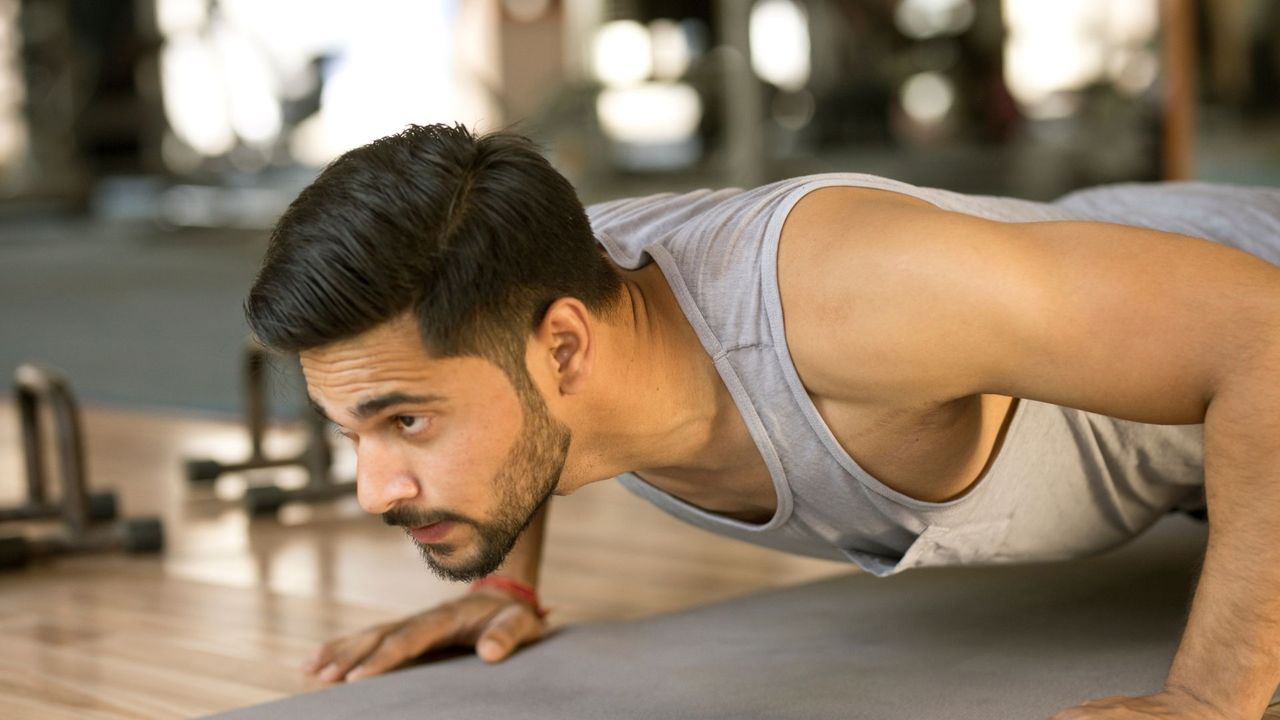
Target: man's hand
489 620
1170 704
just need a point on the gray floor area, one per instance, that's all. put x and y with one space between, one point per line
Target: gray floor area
134 314
960 643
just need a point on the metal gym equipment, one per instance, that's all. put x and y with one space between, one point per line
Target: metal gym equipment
89 522
316 457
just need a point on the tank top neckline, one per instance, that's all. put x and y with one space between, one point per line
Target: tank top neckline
772 301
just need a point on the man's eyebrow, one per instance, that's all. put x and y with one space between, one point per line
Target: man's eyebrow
374 405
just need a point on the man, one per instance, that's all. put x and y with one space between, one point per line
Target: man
841 365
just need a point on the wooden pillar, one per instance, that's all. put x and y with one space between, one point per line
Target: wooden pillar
1178 54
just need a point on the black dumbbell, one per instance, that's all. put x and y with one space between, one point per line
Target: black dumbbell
203 471
264 499
15 552
102 506
143 535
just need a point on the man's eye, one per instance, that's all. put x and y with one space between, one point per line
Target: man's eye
411 423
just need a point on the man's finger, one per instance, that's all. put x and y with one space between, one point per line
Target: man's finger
510 628
404 643
336 657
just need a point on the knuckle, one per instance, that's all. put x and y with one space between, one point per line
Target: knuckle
415 638
340 656
447 614
380 659
347 651
331 647
426 623
396 645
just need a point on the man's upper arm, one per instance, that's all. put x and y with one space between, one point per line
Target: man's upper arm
891 300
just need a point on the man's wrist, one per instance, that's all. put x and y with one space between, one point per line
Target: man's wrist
522 591
1205 706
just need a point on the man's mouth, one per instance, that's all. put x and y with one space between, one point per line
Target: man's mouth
433 533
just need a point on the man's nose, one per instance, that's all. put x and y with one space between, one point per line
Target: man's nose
383 477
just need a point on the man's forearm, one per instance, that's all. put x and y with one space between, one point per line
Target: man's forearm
525 558
1230 654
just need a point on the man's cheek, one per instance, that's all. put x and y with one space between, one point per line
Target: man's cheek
475 456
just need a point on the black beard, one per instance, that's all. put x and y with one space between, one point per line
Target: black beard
537 458
492 546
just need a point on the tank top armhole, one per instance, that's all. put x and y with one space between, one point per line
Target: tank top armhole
773 308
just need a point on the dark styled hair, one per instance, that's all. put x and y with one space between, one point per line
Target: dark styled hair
476 235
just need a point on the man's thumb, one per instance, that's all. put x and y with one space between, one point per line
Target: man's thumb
491 649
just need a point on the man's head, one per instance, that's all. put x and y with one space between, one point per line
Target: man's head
410 277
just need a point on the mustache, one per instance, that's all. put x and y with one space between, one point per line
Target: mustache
413 518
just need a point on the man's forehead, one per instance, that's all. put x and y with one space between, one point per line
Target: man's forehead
356 374
370 360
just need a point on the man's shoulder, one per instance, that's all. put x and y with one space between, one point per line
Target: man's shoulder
858 272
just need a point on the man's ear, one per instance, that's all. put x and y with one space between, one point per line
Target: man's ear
565 343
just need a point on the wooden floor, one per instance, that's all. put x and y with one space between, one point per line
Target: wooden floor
225 617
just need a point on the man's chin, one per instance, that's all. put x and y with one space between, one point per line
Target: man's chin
436 549
438 557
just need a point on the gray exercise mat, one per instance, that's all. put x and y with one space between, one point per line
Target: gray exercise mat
959 643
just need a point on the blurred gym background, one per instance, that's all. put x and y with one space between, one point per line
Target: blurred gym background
146 145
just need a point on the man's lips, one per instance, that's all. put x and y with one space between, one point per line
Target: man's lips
435 532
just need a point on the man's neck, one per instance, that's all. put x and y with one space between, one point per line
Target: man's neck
661 406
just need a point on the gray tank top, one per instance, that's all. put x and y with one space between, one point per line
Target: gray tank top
1064 483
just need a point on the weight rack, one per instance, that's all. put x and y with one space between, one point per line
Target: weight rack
316 457
89 520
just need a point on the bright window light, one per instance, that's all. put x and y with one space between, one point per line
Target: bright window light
779 37
252 95
927 97
175 17
13 129
929 18
671 51
622 53
194 100
391 74
227 68
1062 46
652 113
